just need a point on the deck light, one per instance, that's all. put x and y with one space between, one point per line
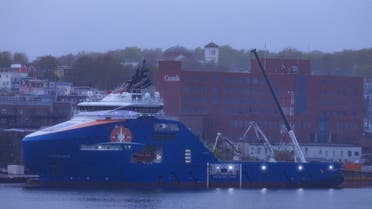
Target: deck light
231 167
300 167
330 167
263 167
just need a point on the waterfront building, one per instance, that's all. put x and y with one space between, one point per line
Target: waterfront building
344 153
321 109
45 87
11 81
368 104
32 111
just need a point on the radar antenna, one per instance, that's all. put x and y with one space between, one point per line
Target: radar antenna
140 80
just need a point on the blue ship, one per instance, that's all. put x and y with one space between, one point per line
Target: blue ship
126 141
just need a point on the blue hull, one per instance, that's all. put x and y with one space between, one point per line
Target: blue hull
155 152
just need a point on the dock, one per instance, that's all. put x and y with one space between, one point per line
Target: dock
16 178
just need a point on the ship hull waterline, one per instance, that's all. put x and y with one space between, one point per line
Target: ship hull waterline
152 152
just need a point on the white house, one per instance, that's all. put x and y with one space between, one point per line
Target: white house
9 80
211 53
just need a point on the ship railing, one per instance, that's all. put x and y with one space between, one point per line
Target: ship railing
118 114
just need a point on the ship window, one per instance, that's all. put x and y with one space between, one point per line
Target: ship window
101 147
223 170
149 154
187 155
167 127
158 136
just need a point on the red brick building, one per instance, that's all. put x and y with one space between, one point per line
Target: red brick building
320 108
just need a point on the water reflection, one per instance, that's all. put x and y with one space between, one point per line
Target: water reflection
14 196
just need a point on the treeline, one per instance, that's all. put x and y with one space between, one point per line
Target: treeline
347 62
6 59
108 70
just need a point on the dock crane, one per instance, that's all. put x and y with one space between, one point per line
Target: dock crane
259 133
229 142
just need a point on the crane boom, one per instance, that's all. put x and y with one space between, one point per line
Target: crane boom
299 155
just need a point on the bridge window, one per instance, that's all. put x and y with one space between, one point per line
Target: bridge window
166 127
163 136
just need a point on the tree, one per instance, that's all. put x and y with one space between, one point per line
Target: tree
46 66
175 52
291 53
102 71
132 54
198 53
364 70
231 58
152 56
5 59
20 58
46 62
82 69
68 59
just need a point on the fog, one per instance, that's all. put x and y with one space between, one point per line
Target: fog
41 27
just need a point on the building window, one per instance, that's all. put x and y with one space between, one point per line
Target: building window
356 153
349 153
213 52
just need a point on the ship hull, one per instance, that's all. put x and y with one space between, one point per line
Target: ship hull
89 155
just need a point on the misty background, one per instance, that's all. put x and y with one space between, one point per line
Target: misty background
43 27
100 40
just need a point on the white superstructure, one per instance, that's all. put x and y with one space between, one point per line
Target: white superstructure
124 105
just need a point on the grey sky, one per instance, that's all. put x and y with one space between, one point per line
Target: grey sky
40 27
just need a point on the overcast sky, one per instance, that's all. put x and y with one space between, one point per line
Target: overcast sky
41 27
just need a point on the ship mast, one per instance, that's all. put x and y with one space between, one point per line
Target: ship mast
299 155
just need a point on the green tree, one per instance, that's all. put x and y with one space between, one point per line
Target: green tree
291 53
5 59
82 71
46 66
364 70
46 62
234 59
132 54
103 71
68 59
20 58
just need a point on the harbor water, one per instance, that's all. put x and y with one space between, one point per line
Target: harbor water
15 196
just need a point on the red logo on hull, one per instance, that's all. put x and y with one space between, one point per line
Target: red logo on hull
121 134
